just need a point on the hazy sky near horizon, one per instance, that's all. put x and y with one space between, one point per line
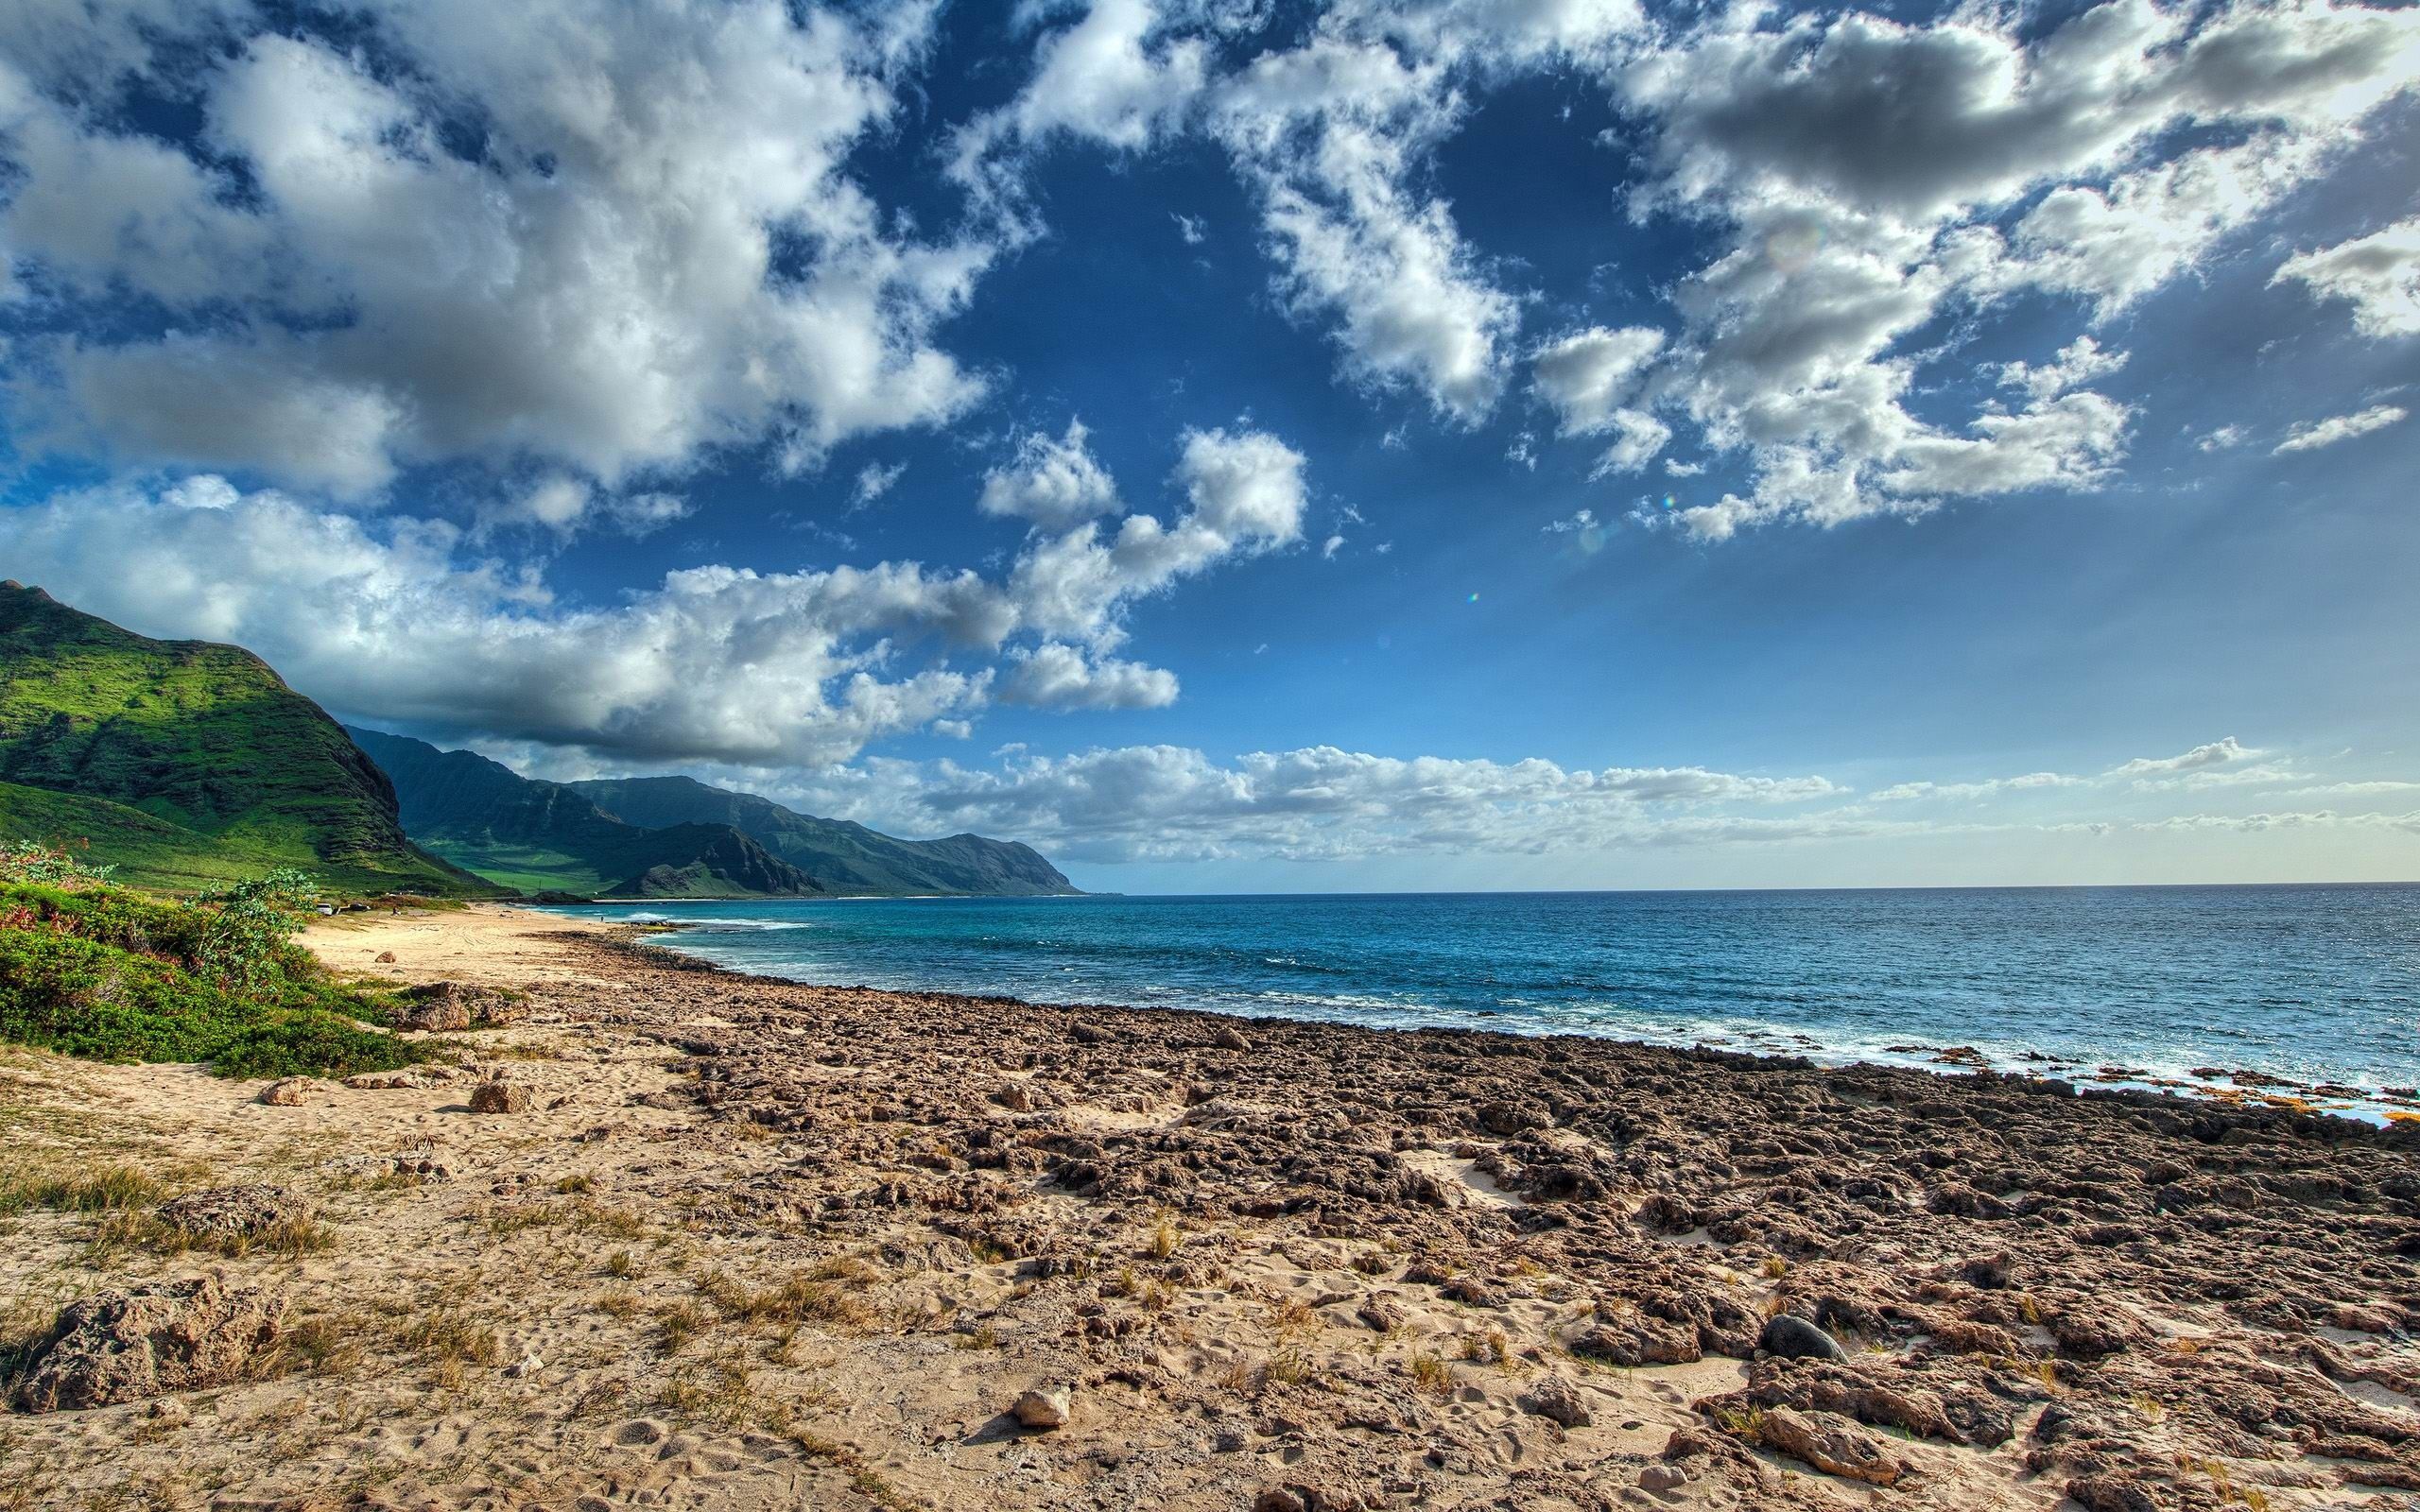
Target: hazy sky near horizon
1238 445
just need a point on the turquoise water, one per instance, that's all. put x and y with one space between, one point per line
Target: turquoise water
2315 984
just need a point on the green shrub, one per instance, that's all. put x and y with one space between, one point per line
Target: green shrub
97 971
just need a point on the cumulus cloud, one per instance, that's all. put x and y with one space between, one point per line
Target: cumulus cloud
2311 435
1113 76
1053 484
1876 175
1062 677
1170 802
2378 273
403 619
1587 377
654 248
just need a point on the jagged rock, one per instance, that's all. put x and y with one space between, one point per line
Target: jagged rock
1554 1397
1830 1443
289 1091
1042 1409
224 1214
1013 1095
2111 1493
500 1097
1637 1341
385 958
1380 1315
1794 1338
124 1345
1231 1038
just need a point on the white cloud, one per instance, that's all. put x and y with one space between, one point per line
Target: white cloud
2311 435
1054 484
2379 273
567 506
658 250
1969 791
874 480
1866 172
2217 753
2222 438
1589 376
1062 677
398 618
1100 79
1173 802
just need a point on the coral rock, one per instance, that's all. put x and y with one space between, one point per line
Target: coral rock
124 1345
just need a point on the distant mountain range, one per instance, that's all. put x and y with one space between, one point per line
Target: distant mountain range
673 837
185 763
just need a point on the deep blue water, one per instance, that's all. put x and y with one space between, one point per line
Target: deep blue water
2318 984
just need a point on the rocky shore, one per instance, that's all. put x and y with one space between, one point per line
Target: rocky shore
670 1236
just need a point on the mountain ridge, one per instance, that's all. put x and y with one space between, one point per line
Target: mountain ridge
543 836
229 771
675 837
842 855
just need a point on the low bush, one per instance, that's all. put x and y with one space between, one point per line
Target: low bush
90 969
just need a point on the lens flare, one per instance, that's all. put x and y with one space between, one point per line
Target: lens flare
1474 598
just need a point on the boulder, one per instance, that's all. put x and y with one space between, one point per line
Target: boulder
1794 1338
223 1215
289 1091
1663 1479
1555 1398
1042 1409
124 1345
500 1097
385 958
1231 1038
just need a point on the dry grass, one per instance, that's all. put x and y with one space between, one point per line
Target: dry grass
107 1188
1430 1375
290 1238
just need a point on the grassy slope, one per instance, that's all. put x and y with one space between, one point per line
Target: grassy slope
235 771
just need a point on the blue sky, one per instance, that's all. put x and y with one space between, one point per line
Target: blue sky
1538 443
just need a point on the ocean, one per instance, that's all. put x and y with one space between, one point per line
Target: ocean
2319 986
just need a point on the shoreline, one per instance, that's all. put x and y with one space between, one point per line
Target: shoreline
750 1243
2241 1086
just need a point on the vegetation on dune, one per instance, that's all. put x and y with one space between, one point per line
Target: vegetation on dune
89 967
183 763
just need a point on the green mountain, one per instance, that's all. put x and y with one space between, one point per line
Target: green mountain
543 836
185 763
841 856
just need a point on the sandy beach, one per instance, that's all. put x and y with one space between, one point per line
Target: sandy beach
747 1243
